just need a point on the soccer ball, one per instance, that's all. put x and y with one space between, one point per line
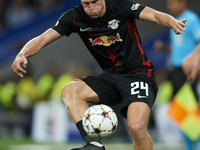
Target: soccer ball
100 121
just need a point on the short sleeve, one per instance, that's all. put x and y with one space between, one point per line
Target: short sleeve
64 25
130 9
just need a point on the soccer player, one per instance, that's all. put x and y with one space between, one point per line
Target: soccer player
108 29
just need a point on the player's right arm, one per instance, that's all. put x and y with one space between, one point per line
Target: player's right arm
31 48
191 64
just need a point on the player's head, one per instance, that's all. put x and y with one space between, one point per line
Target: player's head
94 8
176 7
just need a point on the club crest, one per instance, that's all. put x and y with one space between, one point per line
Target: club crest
113 24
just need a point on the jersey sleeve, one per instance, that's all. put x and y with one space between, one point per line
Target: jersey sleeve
64 25
130 9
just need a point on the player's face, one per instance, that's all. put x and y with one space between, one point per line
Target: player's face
176 7
94 8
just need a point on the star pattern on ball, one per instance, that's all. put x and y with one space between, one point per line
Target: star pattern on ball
114 127
97 130
87 117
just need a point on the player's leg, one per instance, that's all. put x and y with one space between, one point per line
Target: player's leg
75 96
137 120
138 93
177 78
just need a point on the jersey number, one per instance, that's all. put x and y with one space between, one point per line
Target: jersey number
135 86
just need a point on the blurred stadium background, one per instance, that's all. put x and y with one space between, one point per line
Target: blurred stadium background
32 114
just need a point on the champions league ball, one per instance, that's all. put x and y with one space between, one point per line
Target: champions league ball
100 121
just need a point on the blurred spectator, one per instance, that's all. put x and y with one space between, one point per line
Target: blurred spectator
18 13
49 111
46 82
7 95
26 93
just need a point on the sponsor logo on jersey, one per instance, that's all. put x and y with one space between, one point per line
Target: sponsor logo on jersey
82 30
105 40
135 6
57 23
113 24
139 96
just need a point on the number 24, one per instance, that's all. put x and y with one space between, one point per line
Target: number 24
141 85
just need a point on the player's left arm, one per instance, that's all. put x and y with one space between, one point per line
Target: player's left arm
163 19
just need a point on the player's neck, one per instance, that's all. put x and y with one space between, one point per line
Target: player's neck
104 9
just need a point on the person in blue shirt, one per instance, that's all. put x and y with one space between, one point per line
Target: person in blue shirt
181 46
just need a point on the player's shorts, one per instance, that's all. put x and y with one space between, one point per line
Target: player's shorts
113 89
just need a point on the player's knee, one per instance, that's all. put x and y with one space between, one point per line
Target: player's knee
137 131
66 90
70 92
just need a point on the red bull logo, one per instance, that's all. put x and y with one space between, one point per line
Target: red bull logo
105 40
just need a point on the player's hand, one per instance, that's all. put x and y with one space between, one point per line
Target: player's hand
179 26
190 66
16 66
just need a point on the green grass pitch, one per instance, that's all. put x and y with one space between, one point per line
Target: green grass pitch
28 144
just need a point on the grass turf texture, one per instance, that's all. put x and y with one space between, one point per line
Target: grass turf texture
28 144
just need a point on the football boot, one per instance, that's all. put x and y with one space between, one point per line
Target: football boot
91 144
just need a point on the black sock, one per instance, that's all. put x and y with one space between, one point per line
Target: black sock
80 128
85 136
